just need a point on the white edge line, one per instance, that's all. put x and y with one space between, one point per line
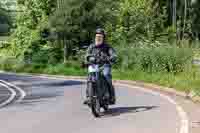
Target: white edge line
23 93
13 94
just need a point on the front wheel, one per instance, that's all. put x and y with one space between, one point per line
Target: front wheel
96 107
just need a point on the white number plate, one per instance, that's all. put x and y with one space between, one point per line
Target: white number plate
93 68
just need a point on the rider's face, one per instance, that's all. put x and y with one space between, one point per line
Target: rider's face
99 39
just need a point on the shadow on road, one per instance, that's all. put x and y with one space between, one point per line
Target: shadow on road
124 110
43 96
58 83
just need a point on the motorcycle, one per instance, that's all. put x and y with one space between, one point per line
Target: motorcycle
97 89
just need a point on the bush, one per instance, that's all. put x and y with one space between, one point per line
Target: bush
47 56
6 63
155 59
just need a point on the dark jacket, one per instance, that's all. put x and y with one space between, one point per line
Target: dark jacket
101 51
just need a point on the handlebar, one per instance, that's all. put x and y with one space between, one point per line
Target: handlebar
98 60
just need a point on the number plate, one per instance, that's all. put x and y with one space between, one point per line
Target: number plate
93 68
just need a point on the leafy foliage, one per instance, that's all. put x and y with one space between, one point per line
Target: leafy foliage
137 20
75 21
155 59
142 27
30 21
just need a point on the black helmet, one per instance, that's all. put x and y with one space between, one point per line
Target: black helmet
100 31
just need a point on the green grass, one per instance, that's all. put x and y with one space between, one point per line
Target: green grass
196 53
3 38
184 81
64 70
58 69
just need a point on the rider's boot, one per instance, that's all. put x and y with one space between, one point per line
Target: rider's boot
112 95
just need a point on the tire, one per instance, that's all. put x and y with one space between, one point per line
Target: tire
95 103
96 108
90 89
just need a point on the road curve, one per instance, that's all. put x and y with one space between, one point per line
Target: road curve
55 105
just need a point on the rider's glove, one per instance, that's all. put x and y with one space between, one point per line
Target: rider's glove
112 59
104 59
98 60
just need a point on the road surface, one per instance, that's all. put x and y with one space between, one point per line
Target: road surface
55 106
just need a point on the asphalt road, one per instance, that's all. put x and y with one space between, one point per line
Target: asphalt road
55 106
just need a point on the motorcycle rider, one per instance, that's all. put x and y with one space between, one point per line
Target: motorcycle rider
105 54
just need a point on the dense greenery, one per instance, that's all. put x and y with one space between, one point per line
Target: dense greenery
155 59
55 28
151 36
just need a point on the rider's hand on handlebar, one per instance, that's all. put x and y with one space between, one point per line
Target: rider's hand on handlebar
99 60
94 59
105 59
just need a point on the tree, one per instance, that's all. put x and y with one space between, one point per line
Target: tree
182 14
5 20
137 20
32 19
76 20
195 18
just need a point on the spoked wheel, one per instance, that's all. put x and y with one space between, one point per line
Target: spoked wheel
96 108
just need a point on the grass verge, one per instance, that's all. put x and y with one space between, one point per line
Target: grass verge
185 81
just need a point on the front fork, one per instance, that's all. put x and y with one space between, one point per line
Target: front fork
92 87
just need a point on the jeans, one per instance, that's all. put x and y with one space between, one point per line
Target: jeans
107 72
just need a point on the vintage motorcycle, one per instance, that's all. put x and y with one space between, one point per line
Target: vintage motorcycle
97 88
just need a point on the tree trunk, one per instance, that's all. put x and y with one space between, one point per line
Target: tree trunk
60 4
174 14
68 49
185 17
65 49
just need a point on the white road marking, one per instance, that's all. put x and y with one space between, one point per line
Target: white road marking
22 92
12 96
